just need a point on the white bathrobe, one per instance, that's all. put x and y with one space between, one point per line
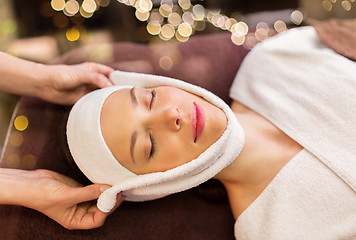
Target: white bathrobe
309 92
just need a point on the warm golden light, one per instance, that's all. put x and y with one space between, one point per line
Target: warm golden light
280 26
229 23
164 12
185 4
143 5
85 14
297 17
166 63
200 25
153 28
13 161
185 29
73 34
142 16
156 17
240 28
89 6
198 12
261 34
174 19
327 5
346 5
21 123
58 5
180 38
16 139
71 7
168 31
28 161
237 39
167 5
103 3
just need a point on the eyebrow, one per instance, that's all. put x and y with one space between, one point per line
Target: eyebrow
134 134
133 97
133 142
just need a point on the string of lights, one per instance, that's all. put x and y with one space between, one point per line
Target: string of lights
180 19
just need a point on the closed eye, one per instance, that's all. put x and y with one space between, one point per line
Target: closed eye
153 98
153 146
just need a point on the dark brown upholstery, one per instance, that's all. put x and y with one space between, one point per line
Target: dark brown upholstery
208 61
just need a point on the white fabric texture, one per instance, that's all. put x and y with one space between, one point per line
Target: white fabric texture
95 160
309 92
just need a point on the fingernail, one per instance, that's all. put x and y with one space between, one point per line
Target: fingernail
108 83
103 188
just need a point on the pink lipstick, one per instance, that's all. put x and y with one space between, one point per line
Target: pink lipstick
197 120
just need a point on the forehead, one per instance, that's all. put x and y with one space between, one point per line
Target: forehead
116 122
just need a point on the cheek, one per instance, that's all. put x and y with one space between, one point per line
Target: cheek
177 152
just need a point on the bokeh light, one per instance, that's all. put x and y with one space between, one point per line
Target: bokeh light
280 26
28 161
15 139
327 5
153 28
84 13
168 31
73 34
142 16
185 29
166 63
297 17
21 123
346 5
174 19
198 12
89 6
185 4
13 161
237 39
180 38
58 5
71 8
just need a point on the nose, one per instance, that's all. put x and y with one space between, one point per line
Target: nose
170 117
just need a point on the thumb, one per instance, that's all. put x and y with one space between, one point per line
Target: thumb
98 80
89 193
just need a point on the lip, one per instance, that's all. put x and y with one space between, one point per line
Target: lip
197 121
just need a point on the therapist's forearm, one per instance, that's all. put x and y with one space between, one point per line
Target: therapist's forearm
14 186
21 77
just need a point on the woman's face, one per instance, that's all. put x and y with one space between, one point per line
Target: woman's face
157 129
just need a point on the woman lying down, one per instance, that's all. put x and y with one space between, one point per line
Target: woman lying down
285 150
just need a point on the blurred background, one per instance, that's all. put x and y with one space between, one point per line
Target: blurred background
41 30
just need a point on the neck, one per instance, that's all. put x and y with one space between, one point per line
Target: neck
266 151
263 154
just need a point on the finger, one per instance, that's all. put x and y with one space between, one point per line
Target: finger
87 216
88 193
119 199
103 69
96 218
100 81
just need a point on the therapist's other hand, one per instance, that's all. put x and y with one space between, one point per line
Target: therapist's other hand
67 202
65 84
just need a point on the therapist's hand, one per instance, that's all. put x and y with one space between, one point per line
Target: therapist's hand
65 84
66 201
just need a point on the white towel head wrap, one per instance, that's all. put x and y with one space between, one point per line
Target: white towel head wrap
95 160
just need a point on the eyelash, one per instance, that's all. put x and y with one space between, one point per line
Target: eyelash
153 98
153 146
153 142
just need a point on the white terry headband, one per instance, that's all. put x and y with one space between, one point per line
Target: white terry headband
95 160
